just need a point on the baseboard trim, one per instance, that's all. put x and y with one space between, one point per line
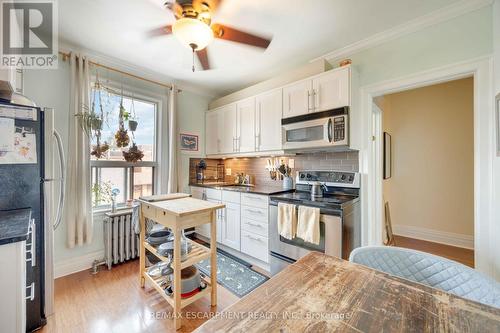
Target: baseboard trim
76 264
442 237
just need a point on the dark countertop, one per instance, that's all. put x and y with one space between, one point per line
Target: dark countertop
255 189
14 225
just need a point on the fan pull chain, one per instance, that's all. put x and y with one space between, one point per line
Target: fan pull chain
193 61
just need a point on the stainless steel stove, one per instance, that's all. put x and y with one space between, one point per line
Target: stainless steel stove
340 220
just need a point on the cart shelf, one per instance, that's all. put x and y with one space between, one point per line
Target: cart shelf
179 211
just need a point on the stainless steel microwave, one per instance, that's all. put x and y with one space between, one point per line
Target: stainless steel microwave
317 130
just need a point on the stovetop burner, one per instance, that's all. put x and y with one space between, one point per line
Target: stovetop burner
335 201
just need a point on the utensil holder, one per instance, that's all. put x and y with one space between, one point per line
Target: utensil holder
287 183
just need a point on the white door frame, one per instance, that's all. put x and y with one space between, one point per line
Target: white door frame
371 154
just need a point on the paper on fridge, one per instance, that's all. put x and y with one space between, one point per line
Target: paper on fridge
24 151
7 130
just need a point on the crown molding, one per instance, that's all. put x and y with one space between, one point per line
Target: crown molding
441 15
135 69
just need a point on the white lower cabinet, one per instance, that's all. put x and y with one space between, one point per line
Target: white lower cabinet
254 226
212 196
13 287
242 225
255 245
204 229
231 226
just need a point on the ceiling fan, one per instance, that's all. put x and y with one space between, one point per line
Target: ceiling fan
194 28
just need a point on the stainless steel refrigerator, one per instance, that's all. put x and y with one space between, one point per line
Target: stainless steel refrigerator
23 184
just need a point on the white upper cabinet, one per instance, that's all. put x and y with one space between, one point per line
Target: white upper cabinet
253 125
212 141
245 139
269 110
331 90
297 98
220 130
227 128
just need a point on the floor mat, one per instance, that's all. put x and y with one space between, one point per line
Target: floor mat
233 274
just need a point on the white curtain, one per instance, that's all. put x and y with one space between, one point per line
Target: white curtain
173 137
78 209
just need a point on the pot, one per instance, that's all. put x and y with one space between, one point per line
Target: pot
190 282
132 125
167 248
317 189
158 237
160 269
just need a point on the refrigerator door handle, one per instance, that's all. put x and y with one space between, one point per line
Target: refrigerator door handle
62 183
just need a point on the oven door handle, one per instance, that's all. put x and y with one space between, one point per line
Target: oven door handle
279 256
330 130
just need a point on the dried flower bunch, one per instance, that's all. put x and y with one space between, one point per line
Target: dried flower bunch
99 150
134 154
121 137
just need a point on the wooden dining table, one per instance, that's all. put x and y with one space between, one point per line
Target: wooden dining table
320 293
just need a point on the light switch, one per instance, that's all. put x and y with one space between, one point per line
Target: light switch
228 172
291 163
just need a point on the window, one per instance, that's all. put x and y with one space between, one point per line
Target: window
111 171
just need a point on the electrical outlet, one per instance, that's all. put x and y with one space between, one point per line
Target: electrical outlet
228 172
291 163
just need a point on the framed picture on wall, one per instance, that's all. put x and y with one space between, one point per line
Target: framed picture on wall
189 142
497 121
387 156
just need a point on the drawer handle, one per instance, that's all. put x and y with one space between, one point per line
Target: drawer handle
31 297
255 211
254 198
255 238
254 224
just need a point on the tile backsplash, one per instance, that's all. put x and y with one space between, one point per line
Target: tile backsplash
256 166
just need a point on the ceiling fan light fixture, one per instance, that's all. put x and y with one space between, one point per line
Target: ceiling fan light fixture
193 33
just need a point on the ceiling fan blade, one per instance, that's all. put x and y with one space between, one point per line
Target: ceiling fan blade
203 58
175 8
161 31
224 32
201 5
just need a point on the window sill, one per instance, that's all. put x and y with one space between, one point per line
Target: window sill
104 210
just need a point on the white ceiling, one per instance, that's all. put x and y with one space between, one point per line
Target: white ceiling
301 30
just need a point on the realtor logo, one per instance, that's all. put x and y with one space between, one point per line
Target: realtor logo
29 34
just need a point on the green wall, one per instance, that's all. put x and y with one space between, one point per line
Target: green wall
462 38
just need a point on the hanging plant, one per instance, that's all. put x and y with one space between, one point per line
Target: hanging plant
132 122
99 150
121 137
133 154
89 121
92 118
132 125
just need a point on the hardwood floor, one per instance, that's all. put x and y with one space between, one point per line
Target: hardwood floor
112 301
464 256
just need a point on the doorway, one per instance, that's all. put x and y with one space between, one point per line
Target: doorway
428 168
372 152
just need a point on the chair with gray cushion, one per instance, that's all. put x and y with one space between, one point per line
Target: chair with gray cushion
431 270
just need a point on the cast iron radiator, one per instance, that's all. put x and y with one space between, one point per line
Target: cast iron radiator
121 243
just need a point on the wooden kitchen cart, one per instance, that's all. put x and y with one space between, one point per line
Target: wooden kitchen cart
177 212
